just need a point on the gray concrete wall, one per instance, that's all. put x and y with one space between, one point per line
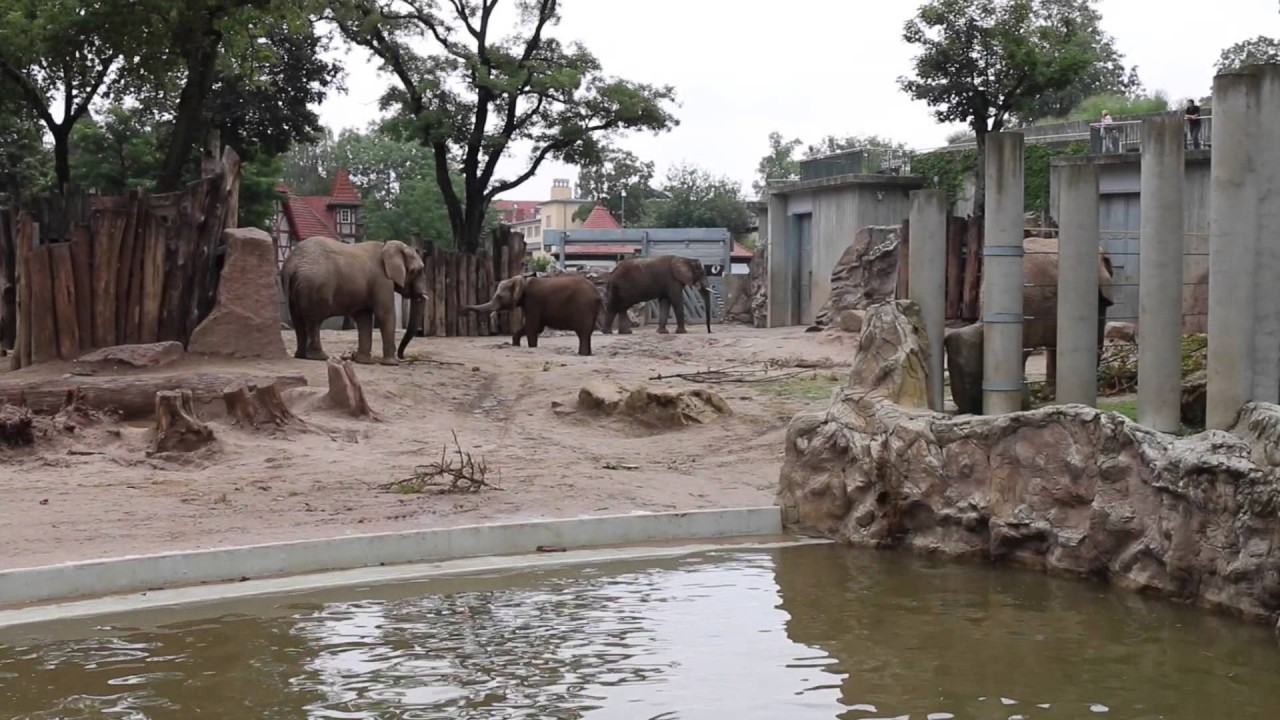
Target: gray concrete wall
1120 225
781 288
837 217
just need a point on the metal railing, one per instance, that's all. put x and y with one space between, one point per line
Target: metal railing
1120 137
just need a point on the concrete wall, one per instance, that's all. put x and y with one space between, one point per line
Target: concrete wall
1120 221
839 207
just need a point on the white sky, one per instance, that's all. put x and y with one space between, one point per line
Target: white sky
809 68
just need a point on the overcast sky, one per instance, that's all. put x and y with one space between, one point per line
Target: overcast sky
809 68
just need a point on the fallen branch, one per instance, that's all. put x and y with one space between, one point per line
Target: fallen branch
460 474
734 376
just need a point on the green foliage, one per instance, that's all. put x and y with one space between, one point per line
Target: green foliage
1036 163
540 263
947 171
1119 105
26 165
781 162
259 174
697 199
117 151
985 62
467 90
607 177
944 170
1260 49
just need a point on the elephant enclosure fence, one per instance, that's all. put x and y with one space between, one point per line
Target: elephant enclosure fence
457 279
84 272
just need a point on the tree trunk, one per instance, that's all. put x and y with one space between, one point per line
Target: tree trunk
133 396
62 156
345 391
980 175
251 405
177 428
201 66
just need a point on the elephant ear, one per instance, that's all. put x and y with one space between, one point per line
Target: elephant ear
682 269
517 289
393 257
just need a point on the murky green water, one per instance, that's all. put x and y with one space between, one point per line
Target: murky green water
801 632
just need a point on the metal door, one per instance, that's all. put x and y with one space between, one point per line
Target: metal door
804 240
1119 216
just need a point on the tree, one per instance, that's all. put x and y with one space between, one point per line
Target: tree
982 62
1260 49
475 93
696 198
117 151
611 175
56 56
25 162
779 163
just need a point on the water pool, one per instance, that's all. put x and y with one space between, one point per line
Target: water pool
800 632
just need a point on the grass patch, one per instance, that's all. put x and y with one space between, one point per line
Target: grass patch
810 388
1126 406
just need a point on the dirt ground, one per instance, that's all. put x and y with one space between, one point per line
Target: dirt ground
95 493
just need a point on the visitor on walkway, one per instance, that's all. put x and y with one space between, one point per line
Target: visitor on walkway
1193 122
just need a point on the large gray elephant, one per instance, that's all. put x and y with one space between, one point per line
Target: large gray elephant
563 302
324 277
1040 325
662 278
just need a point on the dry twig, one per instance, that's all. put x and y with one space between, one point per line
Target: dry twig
739 373
461 473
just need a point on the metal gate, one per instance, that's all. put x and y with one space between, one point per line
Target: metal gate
710 246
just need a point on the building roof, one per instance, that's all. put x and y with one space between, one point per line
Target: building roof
519 210
600 219
737 254
343 192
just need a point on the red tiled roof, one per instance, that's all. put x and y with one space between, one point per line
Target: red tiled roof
517 210
600 219
343 192
305 220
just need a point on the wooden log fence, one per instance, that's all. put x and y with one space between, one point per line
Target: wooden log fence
964 267
93 271
458 279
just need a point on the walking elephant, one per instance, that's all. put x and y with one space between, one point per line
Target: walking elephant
324 277
662 278
563 302
1040 324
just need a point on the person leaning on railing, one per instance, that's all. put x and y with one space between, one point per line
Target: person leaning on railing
1193 122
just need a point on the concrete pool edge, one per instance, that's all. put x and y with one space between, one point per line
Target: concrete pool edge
213 593
140 573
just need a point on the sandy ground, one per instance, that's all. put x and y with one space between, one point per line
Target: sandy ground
95 493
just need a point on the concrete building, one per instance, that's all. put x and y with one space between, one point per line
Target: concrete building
532 218
810 222
1119 195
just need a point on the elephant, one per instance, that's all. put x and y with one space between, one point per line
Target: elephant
662 278
563 302
1040 327
324 277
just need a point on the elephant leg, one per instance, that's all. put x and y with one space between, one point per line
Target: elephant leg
315 351
532 328
300 332
515 336
608 322
386 317
677 304
364 337
664 307
584 341
624 321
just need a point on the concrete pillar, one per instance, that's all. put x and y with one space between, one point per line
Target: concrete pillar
1265 153
1160 274
1002 276
927 277
1078 243
1233 242
781 264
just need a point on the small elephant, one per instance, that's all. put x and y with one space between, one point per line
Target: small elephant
564 302
662 278
324 277
1040 326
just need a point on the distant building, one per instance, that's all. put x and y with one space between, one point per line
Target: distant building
337 215
532 217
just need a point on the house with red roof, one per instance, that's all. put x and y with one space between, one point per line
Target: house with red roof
336 215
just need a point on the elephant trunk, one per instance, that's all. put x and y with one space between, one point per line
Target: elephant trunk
706 303
416 306
487 307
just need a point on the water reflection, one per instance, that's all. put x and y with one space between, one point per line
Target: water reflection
809 632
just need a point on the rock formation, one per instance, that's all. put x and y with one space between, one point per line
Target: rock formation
1066 489
867 273
245 322
760 286
659 409
139 356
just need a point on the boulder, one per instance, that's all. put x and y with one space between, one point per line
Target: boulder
1120 332
659 409
1066 489
245 322
850 320
140 356
892 357
964 367
865 274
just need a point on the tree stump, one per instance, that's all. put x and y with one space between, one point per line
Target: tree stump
177 427
345 391
16 426
251 405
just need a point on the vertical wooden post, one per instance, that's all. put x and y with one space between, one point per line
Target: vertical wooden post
441 301
429 307
81 262
504 270
132 268
972 268
27 231
64 300
153 243
44 329
904 257
955 269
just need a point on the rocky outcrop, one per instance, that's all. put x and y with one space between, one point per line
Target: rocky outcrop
760 286
867 273
139 356
658 409
245 322
1066 489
